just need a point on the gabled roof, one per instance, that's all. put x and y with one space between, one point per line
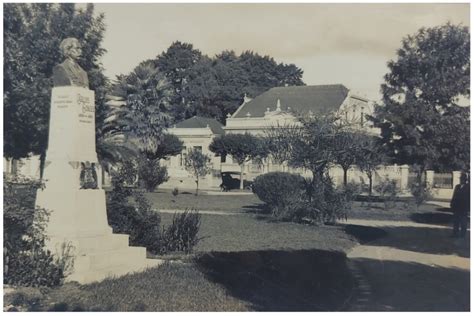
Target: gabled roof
202 122
302 99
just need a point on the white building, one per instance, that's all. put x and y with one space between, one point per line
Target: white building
195 133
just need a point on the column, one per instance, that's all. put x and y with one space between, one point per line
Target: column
456 178
429 178
404 171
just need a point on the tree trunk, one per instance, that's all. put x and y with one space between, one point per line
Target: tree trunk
345 176
370 184
242 166
197 185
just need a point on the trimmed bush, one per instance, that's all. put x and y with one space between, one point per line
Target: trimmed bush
278 189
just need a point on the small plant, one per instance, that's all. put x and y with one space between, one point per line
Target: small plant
175 192
198 164
181 235
388 191
420 192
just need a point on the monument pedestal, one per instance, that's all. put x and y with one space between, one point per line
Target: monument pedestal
73 196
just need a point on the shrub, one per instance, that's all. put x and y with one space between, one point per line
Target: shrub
278 189
388 190
26 261
142 223
420 192
175 192
151 174
329 204
181 235
139 221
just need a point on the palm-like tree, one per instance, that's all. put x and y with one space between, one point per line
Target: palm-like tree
146 109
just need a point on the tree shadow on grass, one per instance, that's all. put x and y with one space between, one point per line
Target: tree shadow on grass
418 239
432 218
408 286
277 280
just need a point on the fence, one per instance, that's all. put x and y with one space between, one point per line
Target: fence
443 181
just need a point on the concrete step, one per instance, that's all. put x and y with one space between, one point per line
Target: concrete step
93 244
128 256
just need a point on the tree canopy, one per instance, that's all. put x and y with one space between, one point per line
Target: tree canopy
421 120
32 34
241 147
215 86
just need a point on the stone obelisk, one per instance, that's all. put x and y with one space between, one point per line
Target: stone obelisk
72 192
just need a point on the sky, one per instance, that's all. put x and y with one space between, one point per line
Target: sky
332 43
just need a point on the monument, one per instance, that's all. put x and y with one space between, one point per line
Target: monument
72 191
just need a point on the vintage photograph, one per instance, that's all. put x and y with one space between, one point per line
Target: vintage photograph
236 157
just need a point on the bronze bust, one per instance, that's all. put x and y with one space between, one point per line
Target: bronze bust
69 73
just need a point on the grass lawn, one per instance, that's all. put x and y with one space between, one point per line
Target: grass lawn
245 261
402 211
163 199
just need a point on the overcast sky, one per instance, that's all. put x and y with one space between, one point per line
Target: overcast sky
332 43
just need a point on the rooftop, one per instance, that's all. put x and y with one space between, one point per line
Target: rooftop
202 122
301 99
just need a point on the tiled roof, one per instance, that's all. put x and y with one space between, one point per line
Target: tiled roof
202 122
302 99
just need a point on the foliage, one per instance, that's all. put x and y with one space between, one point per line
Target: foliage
170 145
28 66
198 164
388 190
177 64
142 223
278 189
420 191
214 87
278 142
146 110
242 147
151 174
420 119
371 156
328 204
181 235
349 146
26 262
175 192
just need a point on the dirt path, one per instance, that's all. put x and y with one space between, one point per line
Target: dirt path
415 267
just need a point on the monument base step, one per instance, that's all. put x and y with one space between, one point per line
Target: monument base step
96 266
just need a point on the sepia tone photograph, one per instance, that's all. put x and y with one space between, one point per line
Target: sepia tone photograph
236 157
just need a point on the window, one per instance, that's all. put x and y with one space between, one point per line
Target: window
198 148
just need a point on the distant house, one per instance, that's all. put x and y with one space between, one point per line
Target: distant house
196 133
279 106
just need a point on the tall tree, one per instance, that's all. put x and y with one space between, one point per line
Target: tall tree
32 34
176 63
146 94
420 117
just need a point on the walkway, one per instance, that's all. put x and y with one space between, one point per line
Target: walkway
415 267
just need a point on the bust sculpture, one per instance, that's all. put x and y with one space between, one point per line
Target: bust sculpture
69 73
